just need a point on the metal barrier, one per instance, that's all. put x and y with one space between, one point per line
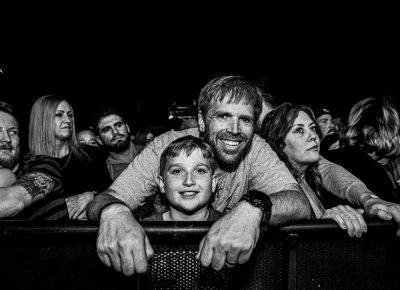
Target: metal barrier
307 255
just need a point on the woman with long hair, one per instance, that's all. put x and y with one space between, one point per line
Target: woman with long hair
52 133
293 133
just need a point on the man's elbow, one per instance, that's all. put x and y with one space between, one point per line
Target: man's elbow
289 206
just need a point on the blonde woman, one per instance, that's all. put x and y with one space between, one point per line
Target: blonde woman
83 171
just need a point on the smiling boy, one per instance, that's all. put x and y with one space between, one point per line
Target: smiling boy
186 178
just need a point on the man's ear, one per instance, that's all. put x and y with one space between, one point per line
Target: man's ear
127 128
99 141
202 125
214 183
160 182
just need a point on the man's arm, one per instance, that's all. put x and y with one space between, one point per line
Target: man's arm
233 237
341 182
289 205
28 189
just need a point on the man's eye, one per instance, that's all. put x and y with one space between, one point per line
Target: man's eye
13 132
223 117
247 120
201 171
314 129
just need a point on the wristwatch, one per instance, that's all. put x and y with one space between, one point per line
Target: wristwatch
260 200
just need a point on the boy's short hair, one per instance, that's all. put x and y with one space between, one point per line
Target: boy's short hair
188 144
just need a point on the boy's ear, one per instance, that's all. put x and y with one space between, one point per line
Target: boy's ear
214 183
160 182
202 125
99 141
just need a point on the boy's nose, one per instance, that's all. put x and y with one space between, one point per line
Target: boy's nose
189 181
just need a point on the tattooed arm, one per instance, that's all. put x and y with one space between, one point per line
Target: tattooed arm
28 189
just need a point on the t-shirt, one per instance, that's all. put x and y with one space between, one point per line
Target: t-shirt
115 167
213 215
260 169
75 176
50 167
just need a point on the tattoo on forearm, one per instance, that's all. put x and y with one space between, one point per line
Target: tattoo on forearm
36 183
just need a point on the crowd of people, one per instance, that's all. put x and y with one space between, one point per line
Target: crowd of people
249 160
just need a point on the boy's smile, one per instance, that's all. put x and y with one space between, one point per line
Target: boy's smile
187 182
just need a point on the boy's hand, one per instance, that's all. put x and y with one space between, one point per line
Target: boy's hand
232 238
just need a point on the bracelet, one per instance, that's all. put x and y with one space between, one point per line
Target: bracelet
98 204
369 195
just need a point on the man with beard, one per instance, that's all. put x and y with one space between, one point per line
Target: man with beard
330 132
253 184
113 134
9 145
22 182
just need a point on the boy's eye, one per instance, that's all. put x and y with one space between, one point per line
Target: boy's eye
176 171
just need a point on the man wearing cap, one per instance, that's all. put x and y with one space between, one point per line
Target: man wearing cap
330 134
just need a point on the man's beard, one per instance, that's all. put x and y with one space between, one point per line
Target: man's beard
121 145
226 159
8 161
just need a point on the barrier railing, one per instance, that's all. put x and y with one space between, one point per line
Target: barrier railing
307 255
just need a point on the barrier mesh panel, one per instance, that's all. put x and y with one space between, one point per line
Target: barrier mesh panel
67 267
346 265
177 268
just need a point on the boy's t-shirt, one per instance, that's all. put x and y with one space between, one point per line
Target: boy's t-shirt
213 215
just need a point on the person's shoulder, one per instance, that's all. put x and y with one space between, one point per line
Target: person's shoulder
7 177
214 214
259 146
166 138
39 163
154 218
93 153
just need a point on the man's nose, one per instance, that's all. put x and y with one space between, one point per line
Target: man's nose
234 126
5 137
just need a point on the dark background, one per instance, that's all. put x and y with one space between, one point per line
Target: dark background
141 67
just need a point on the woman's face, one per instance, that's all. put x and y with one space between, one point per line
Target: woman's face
302 142
63 122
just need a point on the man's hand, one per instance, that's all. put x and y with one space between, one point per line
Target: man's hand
78 203
386 210
232 238
122 242
348 219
